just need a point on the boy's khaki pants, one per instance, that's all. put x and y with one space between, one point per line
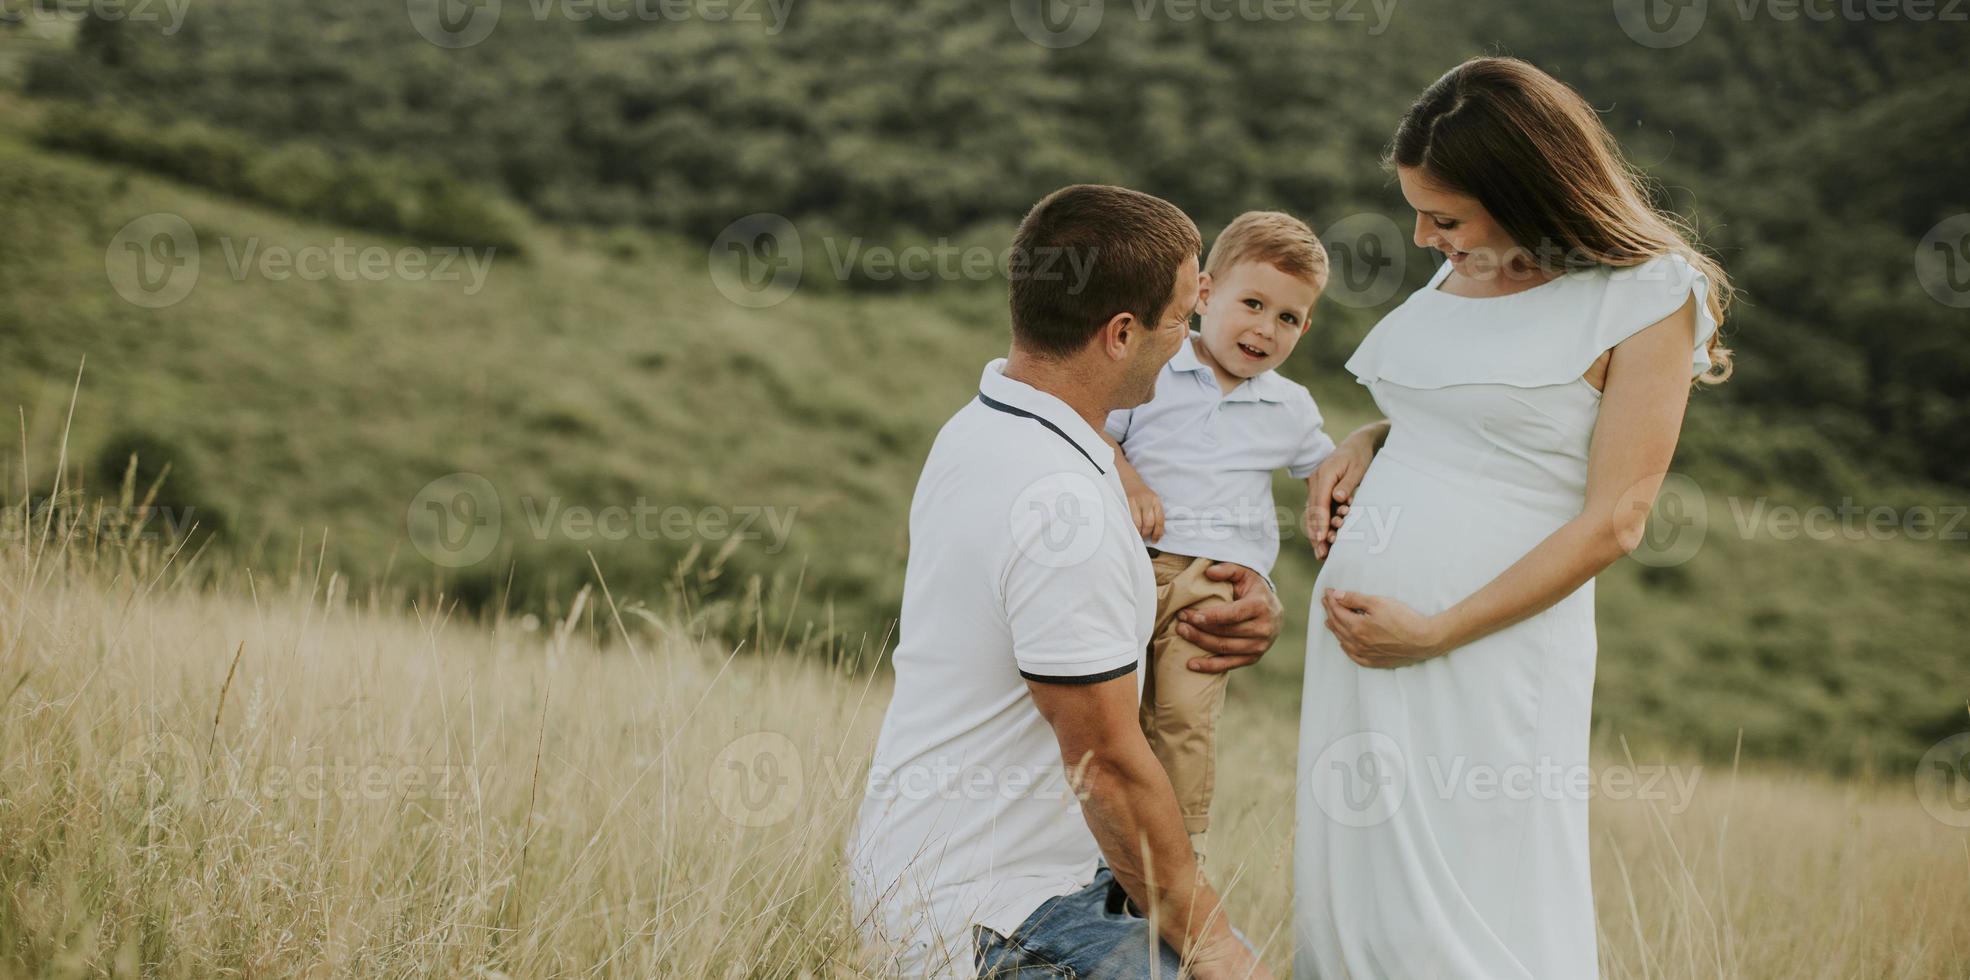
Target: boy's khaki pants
1180 706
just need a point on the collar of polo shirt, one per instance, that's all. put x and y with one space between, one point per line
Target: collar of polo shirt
1265 387
1056 414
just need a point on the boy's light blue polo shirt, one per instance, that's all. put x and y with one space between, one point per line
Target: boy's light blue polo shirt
1210 457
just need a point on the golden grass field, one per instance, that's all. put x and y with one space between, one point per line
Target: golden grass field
244 774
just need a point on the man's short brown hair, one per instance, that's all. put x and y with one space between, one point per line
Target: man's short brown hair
1279 240
1088 252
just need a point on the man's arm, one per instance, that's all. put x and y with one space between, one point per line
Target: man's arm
1239 632
1132 811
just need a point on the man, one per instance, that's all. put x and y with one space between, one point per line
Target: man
1015 815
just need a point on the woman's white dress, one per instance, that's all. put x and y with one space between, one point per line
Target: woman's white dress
1442 807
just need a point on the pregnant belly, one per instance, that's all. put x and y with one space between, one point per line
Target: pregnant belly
1422 537
1519 696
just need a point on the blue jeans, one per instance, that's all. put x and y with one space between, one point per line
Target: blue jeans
1090 933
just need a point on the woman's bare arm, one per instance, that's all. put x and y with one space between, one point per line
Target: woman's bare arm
1641 415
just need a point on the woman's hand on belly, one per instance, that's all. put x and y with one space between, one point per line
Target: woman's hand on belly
1377 631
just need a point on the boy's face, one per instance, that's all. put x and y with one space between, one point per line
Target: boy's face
1253 316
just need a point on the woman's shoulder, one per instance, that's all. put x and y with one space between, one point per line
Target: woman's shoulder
1546 335
1639 296
1665 280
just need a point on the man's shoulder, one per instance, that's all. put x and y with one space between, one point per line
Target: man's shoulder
1004 449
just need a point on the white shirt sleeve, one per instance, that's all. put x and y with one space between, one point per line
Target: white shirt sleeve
1315 444
1068 587
1117 425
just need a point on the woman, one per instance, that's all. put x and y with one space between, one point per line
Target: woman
1534 390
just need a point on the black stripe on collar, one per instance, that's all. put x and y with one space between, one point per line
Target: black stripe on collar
995 404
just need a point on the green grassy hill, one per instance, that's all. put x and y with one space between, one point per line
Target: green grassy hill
604 368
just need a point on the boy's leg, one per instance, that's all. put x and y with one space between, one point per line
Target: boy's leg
1180 706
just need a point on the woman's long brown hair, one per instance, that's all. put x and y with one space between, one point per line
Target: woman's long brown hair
1536 155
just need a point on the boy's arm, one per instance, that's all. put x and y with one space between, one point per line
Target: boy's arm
1145 507
1332 483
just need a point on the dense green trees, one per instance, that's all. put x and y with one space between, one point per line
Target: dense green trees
1813 154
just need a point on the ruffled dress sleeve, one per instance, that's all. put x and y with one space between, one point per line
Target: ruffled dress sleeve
1547 335
1642 296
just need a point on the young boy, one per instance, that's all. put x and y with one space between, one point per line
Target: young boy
1197 461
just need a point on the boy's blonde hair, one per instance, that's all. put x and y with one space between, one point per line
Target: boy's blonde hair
1277 239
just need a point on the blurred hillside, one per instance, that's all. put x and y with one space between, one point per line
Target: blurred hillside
597 364
1813 154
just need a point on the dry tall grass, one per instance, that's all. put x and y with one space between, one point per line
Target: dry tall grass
207 778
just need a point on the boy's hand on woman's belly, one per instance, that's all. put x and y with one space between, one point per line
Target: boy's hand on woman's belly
1331 487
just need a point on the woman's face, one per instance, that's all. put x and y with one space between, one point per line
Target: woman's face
1459 227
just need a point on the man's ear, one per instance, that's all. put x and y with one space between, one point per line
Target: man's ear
1115 335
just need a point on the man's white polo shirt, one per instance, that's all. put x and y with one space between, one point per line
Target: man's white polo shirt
1023 564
